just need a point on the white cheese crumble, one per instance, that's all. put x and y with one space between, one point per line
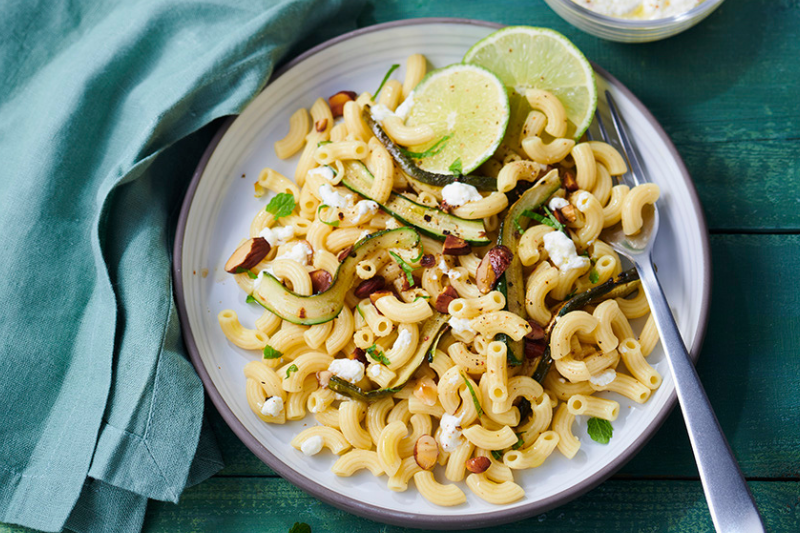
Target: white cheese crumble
364 208
450 436
332 198
312 445
562 252
457 194
452 274
403 340
460 325
300 252
604 378
347 369
325 172
556 202
582 201
277 235
374 370
272 407
404 108
380 112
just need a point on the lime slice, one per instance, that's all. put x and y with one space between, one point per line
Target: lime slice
525 57
467 104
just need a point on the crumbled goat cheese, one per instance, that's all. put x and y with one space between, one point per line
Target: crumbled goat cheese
347 369
604 378
277 235
364 208
312 445
272 407
380 112
404 108
300 252
332 198
562 252
556 202
403 340
374 370
582 200
450 436
460 325
452 274
325 172
457 194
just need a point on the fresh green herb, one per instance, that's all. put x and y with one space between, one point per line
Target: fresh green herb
421 253
375 353
271 353
456 168
300 527
600 430
549 220
360 312
386 78
594 276
554 221
250 299
322 143
497 454
570 295
291 370
405 266
474 396
520 443
422 298
430 152
281 205
335 223
242 270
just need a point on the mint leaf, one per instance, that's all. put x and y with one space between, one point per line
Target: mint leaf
405 266
456 168
497 454
385 79
430 152
600 430
520 443
335 223
271 353
378 355
594 276
360 312
549 220
300 527
323 143
241 270
250 299
281 205
474 396
291 370
556 224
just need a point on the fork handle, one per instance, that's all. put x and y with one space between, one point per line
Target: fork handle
729 499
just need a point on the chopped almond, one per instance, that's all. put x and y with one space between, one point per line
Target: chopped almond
426 451
248 255
344 253
338 100
445 297
536 333
455 246
321 125
321 280
368 286
478 465
569 212
377 295
428 260
491 267
570 183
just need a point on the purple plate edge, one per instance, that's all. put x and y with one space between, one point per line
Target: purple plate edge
408 519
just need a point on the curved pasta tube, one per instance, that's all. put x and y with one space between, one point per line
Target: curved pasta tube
350 415
515 171
532 456
421 424
648 338
612 212
530 244
497 322
316 335
496 373
248 339
322 123
375 419
261 220
543 280
341 332
626 386
268 322
380 325
331 439
534 124
553 109
276 182
390 94
593 407
593 218
567 326
399 481
437 493
631 352
607 155
328 417
614 325
473 307
572 369
407 135
490 440
568 444
521 387
585 166
263 383
355 460
398 311
416 68
558 387
388 443
456 462
338 151
602 184
492 492
632 206
299 125
307 364
635 306
486 207
547 154
382 167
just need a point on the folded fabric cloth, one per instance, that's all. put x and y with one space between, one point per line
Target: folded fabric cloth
100 102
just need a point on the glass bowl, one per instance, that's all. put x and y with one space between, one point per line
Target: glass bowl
627 30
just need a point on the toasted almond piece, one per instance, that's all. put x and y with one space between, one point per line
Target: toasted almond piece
445 297
323 377
377 295
321 280
534 349
368 286
426 391
248 255
344 253
570 183
569 212
321 124
536 333
491 267
338 100
455 246
478 465
359 355
426 451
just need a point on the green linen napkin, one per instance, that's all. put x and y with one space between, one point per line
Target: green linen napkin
100 101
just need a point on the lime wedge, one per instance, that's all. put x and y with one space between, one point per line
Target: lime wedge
465 104
525 57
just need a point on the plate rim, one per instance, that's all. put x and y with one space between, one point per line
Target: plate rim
402 518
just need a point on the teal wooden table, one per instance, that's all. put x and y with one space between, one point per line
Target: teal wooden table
728 93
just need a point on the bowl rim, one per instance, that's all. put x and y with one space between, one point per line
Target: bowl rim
696 13
406 518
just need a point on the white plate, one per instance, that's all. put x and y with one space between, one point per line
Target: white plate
220 205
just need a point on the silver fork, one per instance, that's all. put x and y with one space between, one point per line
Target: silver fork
729 499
